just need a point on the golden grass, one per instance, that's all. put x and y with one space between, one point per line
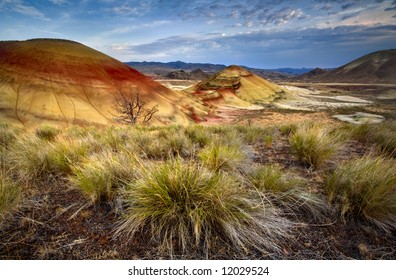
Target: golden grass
198 208
313 144
365 188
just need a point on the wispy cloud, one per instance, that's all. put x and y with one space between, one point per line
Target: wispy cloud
20 7
60 2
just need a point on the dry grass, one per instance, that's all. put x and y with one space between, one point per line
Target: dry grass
313 144
289 191
365 188
47 132
184 201
9 195
102 176
232 191
218 156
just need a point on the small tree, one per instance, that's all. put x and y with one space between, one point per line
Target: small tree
131 108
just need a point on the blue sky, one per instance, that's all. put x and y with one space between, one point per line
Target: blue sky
255 33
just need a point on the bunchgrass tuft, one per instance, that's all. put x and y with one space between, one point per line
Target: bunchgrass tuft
365 188
289 191
103 175
382 136
187 207
9 196
218 156
7 136
198 135
313 144
47 132
38 160
287 128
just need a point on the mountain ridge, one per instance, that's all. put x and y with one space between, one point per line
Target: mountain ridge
375 67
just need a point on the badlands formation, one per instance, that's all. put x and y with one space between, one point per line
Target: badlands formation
65 82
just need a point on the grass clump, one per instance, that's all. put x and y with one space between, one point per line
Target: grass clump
287 128
47 132
198 135
365 188
7 136
218 156
37 160
255 134
382 136
288 191
313 145
102 176
197 208
9 196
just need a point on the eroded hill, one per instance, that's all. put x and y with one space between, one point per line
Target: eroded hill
64 81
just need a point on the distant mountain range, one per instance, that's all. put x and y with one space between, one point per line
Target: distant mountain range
161 69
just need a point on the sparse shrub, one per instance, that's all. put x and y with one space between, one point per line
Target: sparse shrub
9 196
365 188
313 145
288 191
102 176
47 132
197 208
218 156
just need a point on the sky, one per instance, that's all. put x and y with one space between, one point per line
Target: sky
254 33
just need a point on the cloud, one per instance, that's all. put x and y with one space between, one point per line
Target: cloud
347 6
349 15
20 7
282 16
59 2
129 8
251 47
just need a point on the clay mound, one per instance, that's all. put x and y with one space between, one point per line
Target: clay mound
235 86
64 81
377 67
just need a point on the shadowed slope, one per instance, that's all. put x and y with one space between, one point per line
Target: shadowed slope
377 67
236 86
66 81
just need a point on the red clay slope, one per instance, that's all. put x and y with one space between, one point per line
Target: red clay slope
59 80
